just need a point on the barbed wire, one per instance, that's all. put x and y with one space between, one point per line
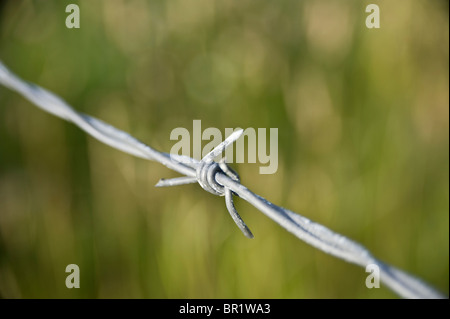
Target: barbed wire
220 179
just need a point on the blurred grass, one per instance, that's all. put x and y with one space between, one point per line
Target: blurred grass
363 145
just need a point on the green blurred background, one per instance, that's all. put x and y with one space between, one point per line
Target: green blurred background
363 119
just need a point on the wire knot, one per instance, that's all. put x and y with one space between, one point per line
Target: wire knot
205 175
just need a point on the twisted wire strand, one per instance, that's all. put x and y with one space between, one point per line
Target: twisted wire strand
219 179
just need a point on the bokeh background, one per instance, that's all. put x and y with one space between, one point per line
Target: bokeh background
363 119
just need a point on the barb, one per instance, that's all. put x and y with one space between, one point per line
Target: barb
206 171
219 179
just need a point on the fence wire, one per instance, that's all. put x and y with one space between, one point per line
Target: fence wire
219 179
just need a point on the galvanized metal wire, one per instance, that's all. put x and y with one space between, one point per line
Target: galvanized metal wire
219 179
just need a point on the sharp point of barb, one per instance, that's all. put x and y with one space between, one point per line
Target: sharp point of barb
222 146
237 133
161 183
